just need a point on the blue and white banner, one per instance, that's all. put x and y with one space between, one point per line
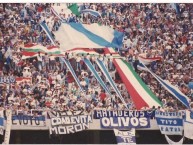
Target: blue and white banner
7 79
76 35
122 119
188 124
170 123
1 125
110 80
27 120
96 75
125 137
172 89
47 31
72 72
125 122
91 12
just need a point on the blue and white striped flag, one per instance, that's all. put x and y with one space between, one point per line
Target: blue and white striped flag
76 35
110 80
72 72
94 72
172 89
45 28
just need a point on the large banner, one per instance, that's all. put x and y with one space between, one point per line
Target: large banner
7 79
66 123
28 120
125 137
122 119
170 123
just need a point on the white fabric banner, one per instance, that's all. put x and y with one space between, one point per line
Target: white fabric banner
188 125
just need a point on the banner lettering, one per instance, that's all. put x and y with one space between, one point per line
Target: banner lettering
1 125
170 123
67 122
7 79
27 120
125 137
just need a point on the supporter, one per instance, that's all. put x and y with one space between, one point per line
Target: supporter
150 30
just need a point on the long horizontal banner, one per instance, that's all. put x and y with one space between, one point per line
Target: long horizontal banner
67 122
123 113
122 119
125 122
27 120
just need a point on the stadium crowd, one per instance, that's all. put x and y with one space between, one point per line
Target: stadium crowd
150 29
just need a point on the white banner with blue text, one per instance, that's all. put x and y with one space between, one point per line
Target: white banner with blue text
125 137
170 123
122 119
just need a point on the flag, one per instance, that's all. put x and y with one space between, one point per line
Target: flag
74 9
40 48
141 95
174 143
188 125
141 67
47 31
63 8
26 54
172 89
31 50
72 72
147 61
110 80
91 12
56 14
170 123
76 35
85 51
94 72
125 137
111 51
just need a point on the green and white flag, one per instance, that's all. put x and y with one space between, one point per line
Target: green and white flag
66 9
